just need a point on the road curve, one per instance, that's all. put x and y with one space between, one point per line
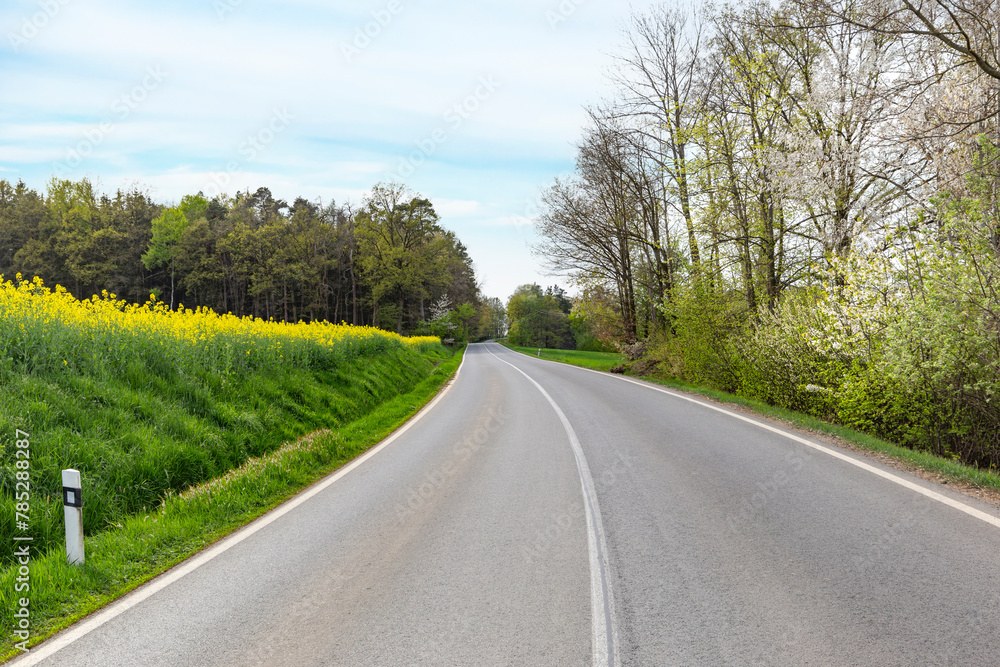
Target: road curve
541 514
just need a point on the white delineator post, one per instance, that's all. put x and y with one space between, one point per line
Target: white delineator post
73 510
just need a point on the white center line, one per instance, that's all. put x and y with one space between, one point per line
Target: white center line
602 604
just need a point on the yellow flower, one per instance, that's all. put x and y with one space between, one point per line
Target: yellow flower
51 323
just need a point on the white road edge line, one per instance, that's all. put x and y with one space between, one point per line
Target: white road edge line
81 629
602 604
929 493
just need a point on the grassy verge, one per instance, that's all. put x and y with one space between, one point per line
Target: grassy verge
946 468
143 545
599 361
137 437
146 401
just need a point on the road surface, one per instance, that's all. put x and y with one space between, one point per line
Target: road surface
541 514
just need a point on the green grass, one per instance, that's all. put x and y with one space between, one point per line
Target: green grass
947 468
140 436
599 361
149 403
146 401
370 400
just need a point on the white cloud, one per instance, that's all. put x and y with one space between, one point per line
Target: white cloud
354 120
512 221
448 208
25 155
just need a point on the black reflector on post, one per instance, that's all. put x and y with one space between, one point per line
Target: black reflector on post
72 497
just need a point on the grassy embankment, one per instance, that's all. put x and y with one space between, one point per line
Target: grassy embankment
946 468
184 425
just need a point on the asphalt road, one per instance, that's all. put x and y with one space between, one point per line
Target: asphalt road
540 514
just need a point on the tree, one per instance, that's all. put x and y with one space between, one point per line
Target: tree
968 28
842 161
24 217
164 247
658 81
588 224
497 317
558 295
536 320
399 240
750 100
130 213
249 254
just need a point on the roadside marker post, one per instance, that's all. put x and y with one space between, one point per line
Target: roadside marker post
73 511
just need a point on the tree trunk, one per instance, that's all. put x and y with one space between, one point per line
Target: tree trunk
354 291
682 186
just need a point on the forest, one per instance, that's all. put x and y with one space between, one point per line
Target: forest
798 203
389 263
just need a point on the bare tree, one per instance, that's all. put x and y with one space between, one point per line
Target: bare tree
632 155
657 83
588 223
749 103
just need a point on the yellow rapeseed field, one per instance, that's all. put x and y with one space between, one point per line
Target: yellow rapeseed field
147 402
42 328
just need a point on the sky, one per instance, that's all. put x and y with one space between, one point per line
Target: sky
474 105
